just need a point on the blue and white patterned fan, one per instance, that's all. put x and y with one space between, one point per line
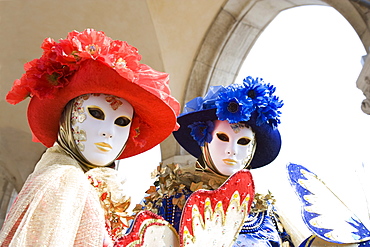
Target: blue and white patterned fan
323 212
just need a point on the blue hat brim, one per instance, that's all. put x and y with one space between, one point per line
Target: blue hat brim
268 139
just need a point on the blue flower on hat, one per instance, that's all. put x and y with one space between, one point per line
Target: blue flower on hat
202 131
264 102
256 91
233 105
270 113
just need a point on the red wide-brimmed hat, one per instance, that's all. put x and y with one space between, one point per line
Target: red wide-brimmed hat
90 62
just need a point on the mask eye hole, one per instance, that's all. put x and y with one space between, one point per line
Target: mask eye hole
244 141
122 121
96 113
222 137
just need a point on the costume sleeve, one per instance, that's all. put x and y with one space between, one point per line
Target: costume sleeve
51 210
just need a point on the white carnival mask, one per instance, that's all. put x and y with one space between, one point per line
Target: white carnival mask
232 146
101 126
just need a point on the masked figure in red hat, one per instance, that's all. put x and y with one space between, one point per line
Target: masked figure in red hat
92 102
231 128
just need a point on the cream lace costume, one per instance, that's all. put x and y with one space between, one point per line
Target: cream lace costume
57 206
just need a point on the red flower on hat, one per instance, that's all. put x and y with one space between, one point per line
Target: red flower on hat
18 92
44 76
125 59
90 44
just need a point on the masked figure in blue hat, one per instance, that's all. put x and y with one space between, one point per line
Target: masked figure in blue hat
231 128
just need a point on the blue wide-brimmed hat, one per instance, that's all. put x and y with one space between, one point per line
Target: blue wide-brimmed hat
252 101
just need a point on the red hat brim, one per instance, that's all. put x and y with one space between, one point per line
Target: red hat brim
154 116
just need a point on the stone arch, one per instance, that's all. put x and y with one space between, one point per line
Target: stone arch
235 30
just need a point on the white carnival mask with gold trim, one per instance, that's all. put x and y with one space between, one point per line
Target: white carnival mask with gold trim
232 146
101 126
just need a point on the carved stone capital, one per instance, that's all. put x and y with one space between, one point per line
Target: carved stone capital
363 83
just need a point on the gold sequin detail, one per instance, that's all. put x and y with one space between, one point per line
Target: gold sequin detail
79 136
112 199
78 112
